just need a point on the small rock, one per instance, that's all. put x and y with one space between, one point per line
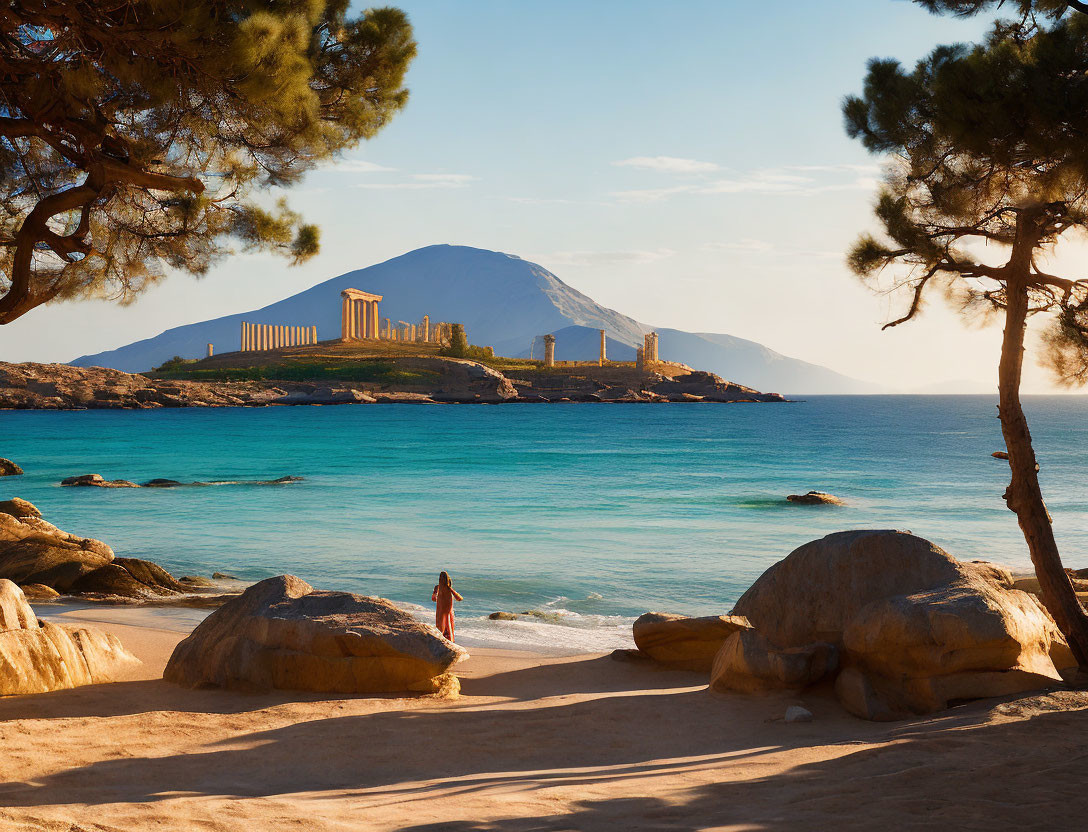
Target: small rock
628 655
9 468
19 508
195 582
162 483
816 498
223 576
795 713
39 592
503 616
999 455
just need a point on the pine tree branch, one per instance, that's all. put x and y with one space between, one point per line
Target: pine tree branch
916 303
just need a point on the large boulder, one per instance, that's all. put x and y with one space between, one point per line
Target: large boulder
128 578
914 628
682 642
9 468
36 657
748 663
282 633
33 551
19 508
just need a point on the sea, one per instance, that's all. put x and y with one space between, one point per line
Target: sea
577 517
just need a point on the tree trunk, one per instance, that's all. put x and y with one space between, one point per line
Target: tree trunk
1024 495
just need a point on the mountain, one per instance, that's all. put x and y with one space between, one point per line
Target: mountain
504 302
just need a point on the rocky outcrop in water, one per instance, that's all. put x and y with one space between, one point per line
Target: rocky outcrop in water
9 468
912 628
36 553
38 656
281 633
98 481
815 498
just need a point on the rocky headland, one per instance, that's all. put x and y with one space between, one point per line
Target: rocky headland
400 379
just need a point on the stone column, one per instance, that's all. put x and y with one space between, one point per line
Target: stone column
426 328
313 333
604 350
549 350
344 318
211 350
413 333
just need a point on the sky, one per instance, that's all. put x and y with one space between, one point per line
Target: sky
683 163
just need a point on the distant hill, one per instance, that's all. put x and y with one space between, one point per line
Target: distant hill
504 302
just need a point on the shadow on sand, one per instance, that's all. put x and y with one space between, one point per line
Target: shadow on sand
639 728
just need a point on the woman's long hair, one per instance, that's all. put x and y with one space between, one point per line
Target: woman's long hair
444 580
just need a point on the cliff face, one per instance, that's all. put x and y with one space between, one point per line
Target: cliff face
429 380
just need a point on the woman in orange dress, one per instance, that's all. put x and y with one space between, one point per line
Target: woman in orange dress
444 595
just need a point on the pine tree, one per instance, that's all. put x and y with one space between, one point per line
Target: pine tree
140 134
988 169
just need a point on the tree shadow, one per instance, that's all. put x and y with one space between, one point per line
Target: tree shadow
1023 775
596 675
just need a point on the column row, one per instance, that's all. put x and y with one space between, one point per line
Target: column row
258 337
359 319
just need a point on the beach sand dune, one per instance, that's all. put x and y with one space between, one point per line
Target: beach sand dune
578 743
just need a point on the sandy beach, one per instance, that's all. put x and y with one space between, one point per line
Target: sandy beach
533 743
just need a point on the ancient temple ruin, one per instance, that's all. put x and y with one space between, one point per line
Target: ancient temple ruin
260 337
360 320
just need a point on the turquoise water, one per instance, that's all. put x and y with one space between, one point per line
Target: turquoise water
590 514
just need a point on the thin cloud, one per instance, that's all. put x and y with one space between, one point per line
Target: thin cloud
357 166
785 181
606 258
746 245
667 164
422 181
763 248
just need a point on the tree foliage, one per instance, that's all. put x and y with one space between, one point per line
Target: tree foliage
458 345
1053 9
138 134
987 150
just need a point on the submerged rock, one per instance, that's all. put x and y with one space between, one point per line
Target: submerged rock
915 628
9 468
36 657
682 642
503 616
282 633
816 498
